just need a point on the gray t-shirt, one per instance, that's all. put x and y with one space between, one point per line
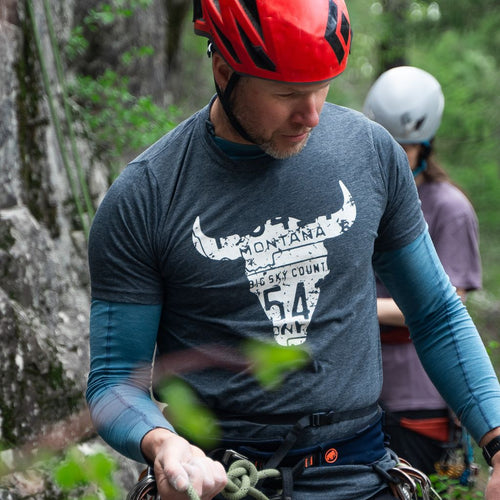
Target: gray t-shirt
274 250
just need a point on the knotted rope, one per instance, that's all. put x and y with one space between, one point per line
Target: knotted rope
242 477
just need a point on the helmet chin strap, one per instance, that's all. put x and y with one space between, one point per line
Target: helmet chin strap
422 165
225 99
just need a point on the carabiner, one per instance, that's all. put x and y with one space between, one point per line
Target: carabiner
145 488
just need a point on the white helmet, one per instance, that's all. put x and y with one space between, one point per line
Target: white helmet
408 102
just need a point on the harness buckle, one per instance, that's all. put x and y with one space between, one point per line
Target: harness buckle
321 418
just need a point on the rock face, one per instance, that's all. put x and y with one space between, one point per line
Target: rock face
44 299
44 286
43 278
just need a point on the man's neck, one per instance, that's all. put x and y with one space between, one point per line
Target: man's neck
222 126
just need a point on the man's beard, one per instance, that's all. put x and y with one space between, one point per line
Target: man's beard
271 149
267 144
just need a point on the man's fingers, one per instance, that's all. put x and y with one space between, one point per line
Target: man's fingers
174 474
206 476
180 465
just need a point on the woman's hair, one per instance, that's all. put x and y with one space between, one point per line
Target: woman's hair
434 171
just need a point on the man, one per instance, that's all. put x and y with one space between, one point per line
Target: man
259 218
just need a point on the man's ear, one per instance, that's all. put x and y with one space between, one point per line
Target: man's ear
221 70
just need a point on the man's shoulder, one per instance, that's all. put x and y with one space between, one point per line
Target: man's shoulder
331 109
173 139
346 119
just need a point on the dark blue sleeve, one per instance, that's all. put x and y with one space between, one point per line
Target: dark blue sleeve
444 335
122 346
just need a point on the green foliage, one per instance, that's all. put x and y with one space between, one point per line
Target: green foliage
492 347
108 13
187 413
104 15
118 122
466 142
77 44
272 362
87 477
451 488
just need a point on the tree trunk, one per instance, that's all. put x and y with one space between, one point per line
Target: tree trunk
393 42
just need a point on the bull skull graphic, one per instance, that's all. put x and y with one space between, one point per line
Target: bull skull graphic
285 262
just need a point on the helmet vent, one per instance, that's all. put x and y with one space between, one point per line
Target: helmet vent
331 31
197 10
227 44
419 123
411 125
345 29
259 57
252 12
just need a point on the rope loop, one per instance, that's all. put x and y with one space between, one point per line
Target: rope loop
242 477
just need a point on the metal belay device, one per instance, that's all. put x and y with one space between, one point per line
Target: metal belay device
145 488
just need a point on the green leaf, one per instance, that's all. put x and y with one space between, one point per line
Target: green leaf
272 362
69 475
184 410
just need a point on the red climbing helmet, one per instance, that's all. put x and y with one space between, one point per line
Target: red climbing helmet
293 41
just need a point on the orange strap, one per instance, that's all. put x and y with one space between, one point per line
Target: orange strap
435 428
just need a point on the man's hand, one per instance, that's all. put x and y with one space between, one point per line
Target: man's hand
493 486
177 464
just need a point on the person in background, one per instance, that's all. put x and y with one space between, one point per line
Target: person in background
262 218
409 103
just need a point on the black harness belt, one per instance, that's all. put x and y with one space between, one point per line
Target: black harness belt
364 447
270 454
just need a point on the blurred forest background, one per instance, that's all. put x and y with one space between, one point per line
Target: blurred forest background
94 82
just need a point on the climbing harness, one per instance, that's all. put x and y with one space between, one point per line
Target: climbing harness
256 473
245 475
405 482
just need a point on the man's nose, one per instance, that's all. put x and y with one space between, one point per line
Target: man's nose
308 109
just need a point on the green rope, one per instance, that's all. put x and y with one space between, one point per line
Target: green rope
242 477
57 124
